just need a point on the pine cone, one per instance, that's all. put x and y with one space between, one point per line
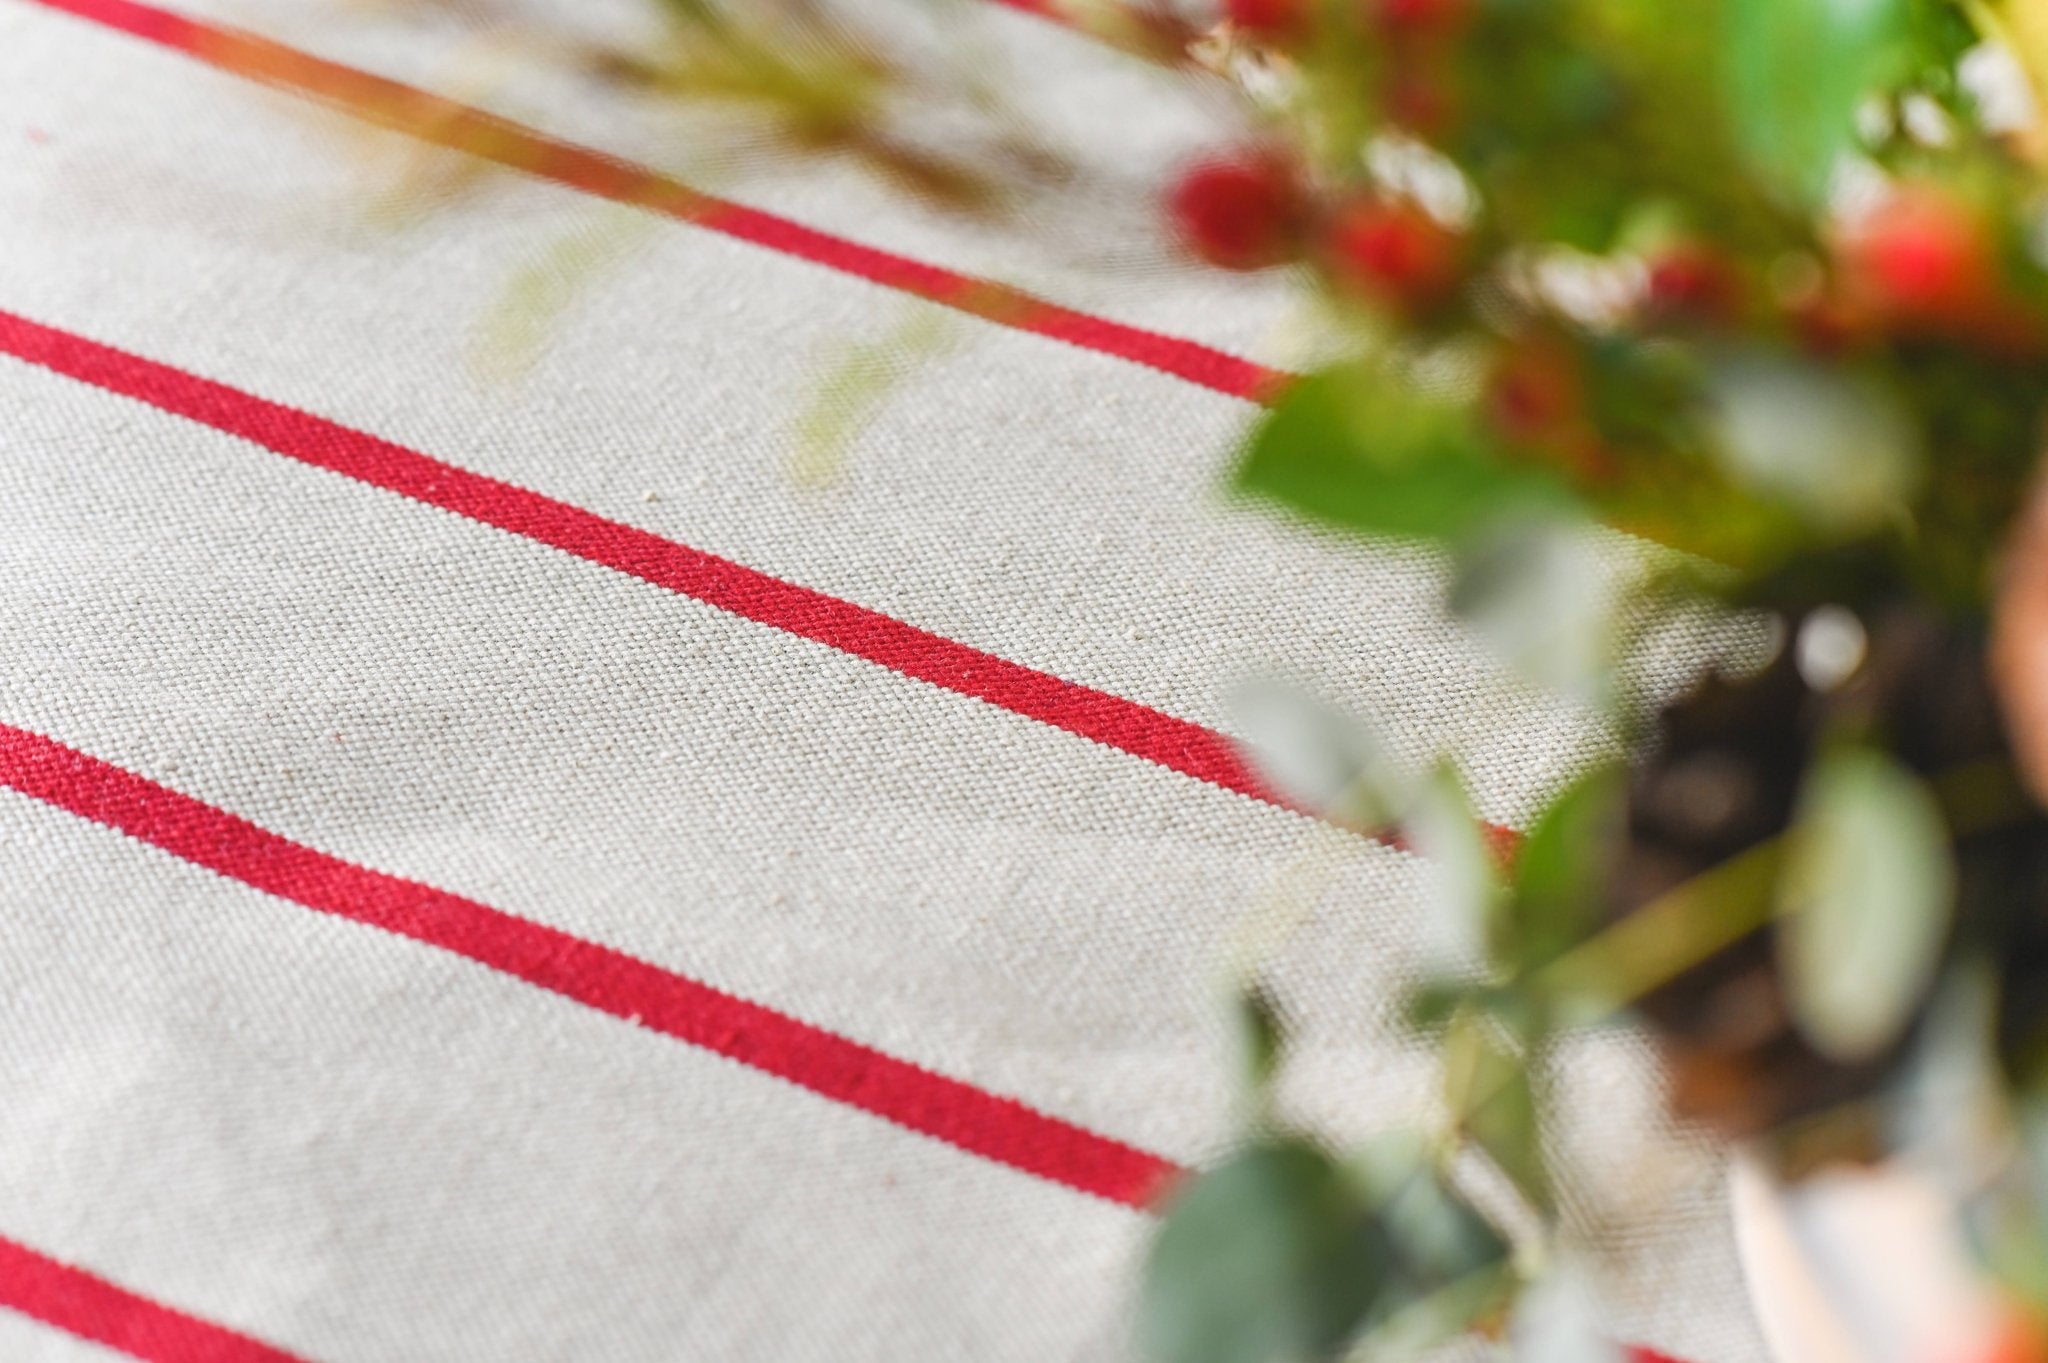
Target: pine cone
1725 776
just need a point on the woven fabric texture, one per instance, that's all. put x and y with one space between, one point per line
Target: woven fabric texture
498 868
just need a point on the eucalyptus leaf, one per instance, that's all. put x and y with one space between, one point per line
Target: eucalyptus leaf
1465 880
1950 1113
1796 72
1557 1320
1492 1096
1430 1321
1865 898
1560 871
1362 451
1313 754
1262 1034
1272 1257
1437 1236
1536 590
1430 1005
1447 1264
1842 452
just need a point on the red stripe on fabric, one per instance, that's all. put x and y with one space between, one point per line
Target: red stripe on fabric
90 1307
981 1123
973 1120
1098 716
460 127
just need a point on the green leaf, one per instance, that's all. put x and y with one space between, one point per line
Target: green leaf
1866 897
1361 451
1558 1321
1313 754
1263 1036
1464 880
1447 1264
1491 1095
1539 591
1843 453
1272 1257
1506 1125
1560 872
1429 1322
1796 70
1951 1112
1430 1005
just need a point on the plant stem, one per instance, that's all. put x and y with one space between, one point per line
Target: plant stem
1673 932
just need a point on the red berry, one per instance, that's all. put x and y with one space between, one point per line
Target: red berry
1241 214
1924 256
1536 397
1534 392
1394 254
1692 283
1418 101
1273 21
1926 259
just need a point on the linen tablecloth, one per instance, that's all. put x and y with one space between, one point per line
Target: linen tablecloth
496 865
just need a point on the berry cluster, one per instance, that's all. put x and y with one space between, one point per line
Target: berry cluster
1252 210
1671 279
1923 260
1924 264
1926 260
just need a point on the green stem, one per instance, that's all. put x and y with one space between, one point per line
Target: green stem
1673 932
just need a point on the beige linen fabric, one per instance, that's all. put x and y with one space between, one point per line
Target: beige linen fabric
361 1149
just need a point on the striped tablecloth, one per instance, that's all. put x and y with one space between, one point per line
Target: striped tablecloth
496 868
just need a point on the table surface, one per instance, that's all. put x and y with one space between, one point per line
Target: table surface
500 863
